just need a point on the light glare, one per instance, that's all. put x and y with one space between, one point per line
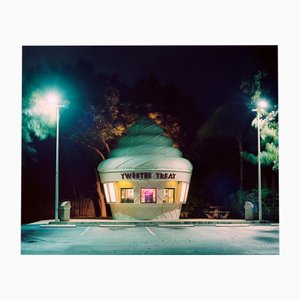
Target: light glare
183 192
46 107
112 193
106 192
262 104
53 98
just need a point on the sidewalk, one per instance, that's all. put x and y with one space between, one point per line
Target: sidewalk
98 222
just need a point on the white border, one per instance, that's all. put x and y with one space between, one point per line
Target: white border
149 22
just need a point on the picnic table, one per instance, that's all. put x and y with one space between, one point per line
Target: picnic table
216 212
184 214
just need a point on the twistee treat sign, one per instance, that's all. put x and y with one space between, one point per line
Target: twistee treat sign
147 175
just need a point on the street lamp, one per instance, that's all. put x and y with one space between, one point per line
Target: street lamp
53 100
261 105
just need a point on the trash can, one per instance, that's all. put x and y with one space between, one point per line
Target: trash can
249 211
64 211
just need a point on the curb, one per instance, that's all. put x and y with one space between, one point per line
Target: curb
175 225
58 225
116 225
232 225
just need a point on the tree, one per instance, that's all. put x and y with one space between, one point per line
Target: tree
253 87
99 130
169 107
228 121
258 88
264 85
269 136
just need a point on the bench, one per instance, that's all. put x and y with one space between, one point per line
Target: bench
214 212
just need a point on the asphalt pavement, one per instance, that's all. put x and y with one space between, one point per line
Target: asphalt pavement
184 239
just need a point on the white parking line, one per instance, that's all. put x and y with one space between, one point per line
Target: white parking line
150 231
117 225
175 225
232 225
85 231
58 226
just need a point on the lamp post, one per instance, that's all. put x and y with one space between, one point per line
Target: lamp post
57 163
52 102
261 104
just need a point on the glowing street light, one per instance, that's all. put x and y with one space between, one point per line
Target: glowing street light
261 106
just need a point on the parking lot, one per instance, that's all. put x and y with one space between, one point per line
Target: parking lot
175 240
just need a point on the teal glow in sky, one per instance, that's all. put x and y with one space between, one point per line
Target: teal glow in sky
40 115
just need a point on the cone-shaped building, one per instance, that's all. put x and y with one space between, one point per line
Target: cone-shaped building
145 178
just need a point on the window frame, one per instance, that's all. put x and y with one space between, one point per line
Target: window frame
146 188
121 189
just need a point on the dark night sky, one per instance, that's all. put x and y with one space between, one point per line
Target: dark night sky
210 74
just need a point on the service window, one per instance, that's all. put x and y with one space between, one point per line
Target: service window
127 196
169 195
148 195
110 193
184 192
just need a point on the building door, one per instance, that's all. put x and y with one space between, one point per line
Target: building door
169 195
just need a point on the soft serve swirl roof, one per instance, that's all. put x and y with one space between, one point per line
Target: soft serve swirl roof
145 148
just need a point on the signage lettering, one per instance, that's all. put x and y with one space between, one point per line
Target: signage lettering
147 175
165 175
134 175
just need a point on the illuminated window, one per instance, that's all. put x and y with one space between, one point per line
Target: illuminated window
112 192
106 193
184 191
148 195
127 196
169 196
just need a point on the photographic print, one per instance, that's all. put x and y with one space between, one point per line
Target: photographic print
150 150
